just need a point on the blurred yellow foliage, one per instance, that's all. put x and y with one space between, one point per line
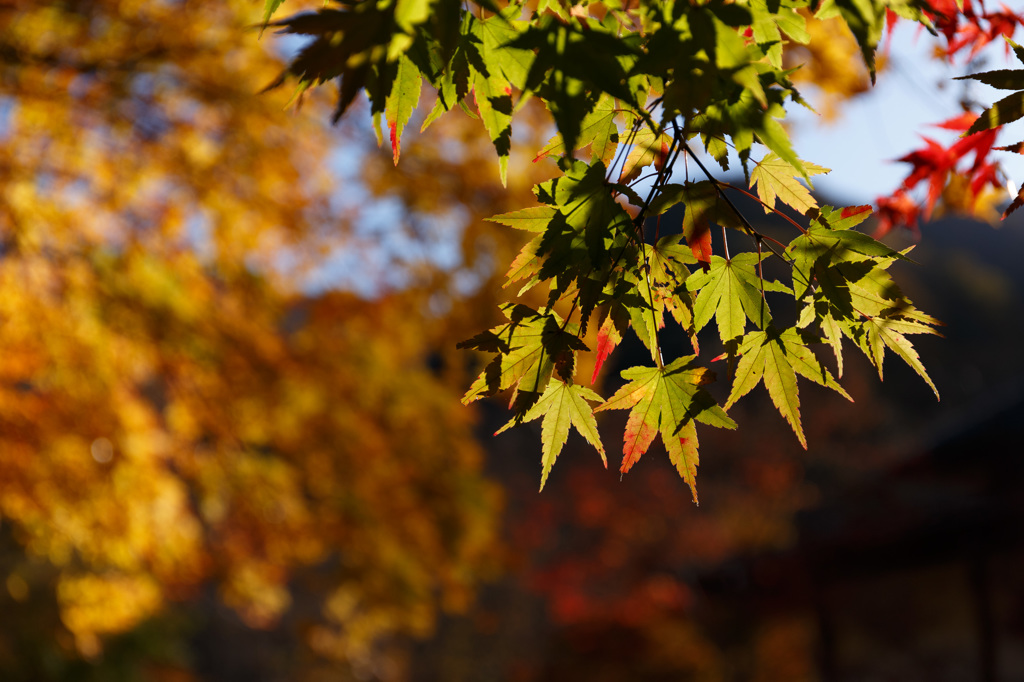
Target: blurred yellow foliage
830 62
175 411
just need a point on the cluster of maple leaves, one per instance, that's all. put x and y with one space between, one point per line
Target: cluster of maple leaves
963 171
634 88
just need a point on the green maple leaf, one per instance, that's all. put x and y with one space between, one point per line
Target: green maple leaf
730 291
850 296
774 179
452 81
572 68
533 219
494 102
530 348
598 130
875 334
767 25
402 100
1011 107
528 263
269 7
554 6
667 259
1006 110
829 240
411 13
498 55
563 405
776 358
589 232
667 401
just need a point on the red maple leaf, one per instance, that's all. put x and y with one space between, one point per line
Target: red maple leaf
984 176
934 163
970 29
896 210
605 345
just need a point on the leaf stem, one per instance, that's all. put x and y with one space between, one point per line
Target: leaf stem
770 208
718 188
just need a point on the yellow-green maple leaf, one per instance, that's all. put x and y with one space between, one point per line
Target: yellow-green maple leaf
776 179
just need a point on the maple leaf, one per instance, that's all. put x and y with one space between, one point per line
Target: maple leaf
830 240
1017 202
774 179
731 292
667 401
572 66
269 7
608 337
667 259
1006 110
528 263
859 300
896 210
598 129
876 334
776 358
562 405
533 219
934 162
402 100
529 349
647 148
494 103
703 206
766 26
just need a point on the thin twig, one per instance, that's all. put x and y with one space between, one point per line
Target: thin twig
770 208
718 188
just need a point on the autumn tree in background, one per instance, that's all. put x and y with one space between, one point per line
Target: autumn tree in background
185 402
180 406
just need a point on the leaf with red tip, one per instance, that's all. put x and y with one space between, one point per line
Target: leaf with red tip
647 148
854 211
700 243
704 206
667 401
1015 148
402 100
608 337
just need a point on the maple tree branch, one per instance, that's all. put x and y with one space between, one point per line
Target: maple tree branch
770 208
659 181
718 188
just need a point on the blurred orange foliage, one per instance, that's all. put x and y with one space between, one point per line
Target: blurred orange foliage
175 408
